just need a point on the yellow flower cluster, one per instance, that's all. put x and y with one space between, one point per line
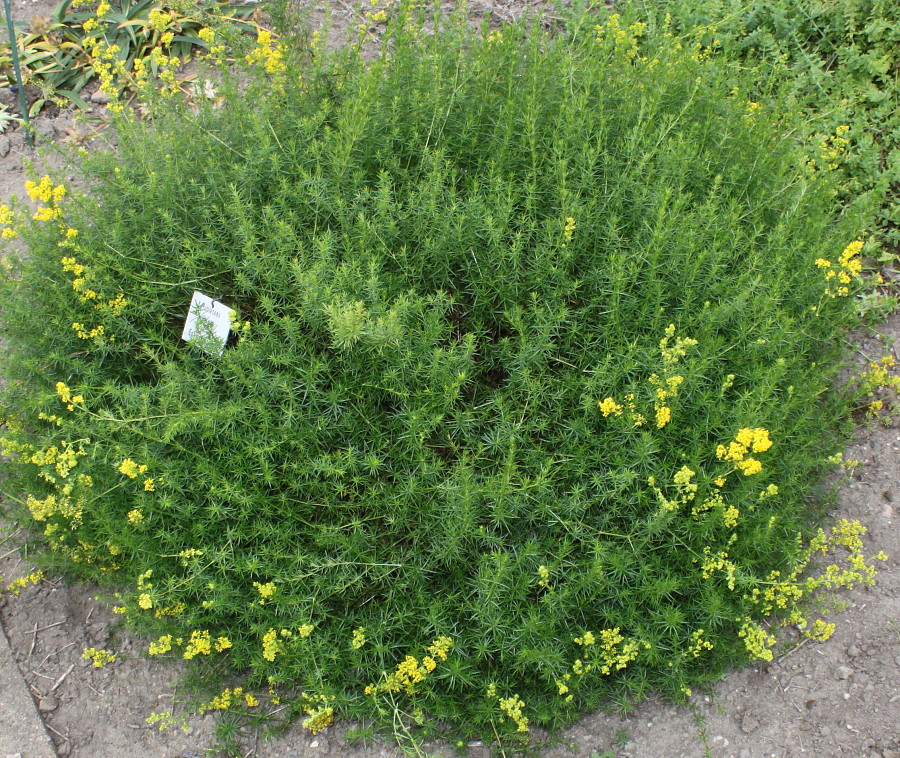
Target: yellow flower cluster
664 390
45 192
270 56
162 645
230 697
832 149
624 40
543 576
98 657
410 672
606 655
636 418
745 441
42 510
718 562
165 67
785 593
216 51
319 711
672 354
849 268
757 641
820 631
107 66
66 396
159 20
267 591
879 377
568 230
359 638
730 516
113 307
57 461
612 657
665 387
145 587
271 644
779 594
135 516
95 333
685 490
170 610
370 17
200 643
512 707
770 491
7 219
609 406
131 469
697 644
17 585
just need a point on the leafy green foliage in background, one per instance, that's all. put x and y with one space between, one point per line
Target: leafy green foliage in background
56 52
519 320
835 62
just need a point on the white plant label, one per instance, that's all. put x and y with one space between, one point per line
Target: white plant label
208 324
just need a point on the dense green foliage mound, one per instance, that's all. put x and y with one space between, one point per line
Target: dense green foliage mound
526 397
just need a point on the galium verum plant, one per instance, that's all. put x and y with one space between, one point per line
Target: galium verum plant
526 393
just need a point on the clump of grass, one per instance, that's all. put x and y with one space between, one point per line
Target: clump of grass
527 388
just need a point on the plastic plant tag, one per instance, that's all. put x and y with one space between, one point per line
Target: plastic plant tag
208 324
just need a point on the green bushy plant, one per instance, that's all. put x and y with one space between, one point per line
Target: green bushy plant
526 392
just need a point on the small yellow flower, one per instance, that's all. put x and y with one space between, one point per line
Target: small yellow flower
663 416
200 643
160 646
608 406
270 645
135 516
266 591
99 657
820 631
131 469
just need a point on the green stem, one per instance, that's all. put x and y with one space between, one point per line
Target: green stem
14 52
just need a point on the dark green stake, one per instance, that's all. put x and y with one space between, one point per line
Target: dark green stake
14 51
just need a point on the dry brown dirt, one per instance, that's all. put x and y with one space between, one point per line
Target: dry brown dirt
838 698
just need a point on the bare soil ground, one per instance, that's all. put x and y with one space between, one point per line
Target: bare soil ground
838 698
